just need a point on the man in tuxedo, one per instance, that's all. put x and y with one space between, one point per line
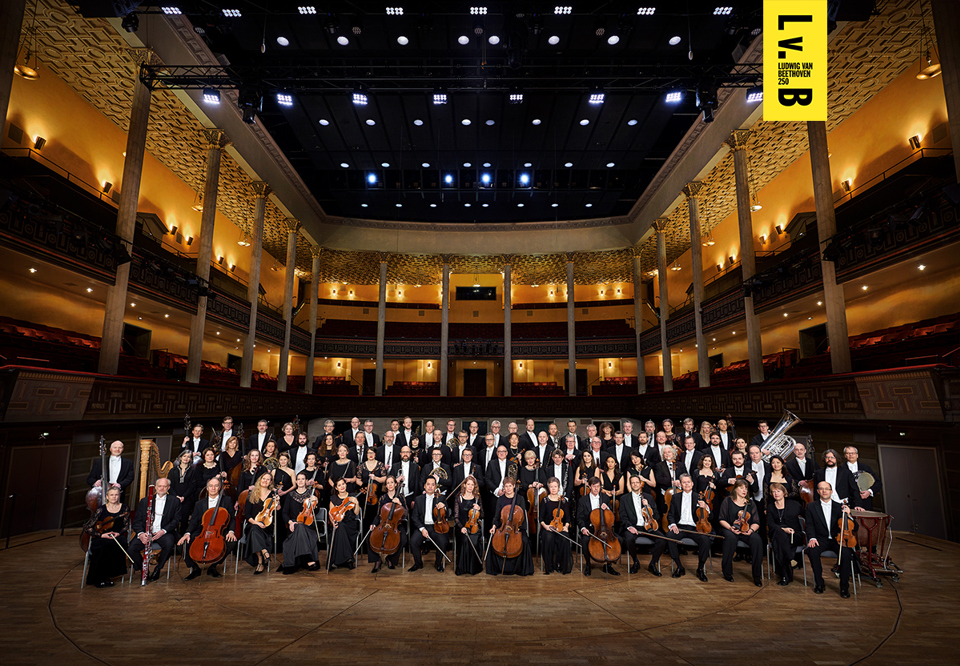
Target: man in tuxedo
681 517
856 469
494 475
194 441
459 446
428 429
395 428
761 438
327 430
227 432
689 456
758 476
474 438
650 428
648 449
485 454
389 452
259 439
348 437
559 468
166 511
591 433
421 517
737 469
840 479
437 469
727 435
119 470
407 473
406 433
466 468
721 458
571 450
800 467
572 430
667 475
357 452
620 450
599 455
628 437
823 528
372 438
495 431
211 499
543 447
636 531
587 504
450 436
689 431
511 428
528 440
554 434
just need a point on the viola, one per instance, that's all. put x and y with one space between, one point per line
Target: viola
385 537
605 547
742 523
507 540
557 521
807 493
306 516
269 509
210 546
473 519
534 495
703 516
440 523
848 530
338 513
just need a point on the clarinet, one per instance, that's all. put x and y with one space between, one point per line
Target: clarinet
145 573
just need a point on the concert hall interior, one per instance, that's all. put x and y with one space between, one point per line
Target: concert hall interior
227 222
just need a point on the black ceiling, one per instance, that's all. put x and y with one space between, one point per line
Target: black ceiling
614 148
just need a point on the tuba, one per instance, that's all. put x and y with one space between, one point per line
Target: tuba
779 443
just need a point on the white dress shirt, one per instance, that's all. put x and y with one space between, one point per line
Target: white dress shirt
716 452
827 509
830 475
428 510
301 456
369 436
224 436
503 473
686 509
638 506
758 469
387 457
802 464
158 505
405 473
114 469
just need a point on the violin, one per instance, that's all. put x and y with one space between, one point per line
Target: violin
848 530
534 495
647 512
702 515
241 503
306 516
440 523
210 546
557 521
742 524
473 519
507 541
667 499
385 537
605 547
338 513
371 492
269 509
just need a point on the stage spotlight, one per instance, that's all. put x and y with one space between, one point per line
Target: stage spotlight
130 22
754 94
674 97
360 96
516 95
707 100
284 99
597 96
439 95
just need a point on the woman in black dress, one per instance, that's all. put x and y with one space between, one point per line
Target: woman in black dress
109 523
469 545
390 494
529 472
417 452
371 475
270 452
183 486
300 548
786 533
253 469
342 468
259 535
587 468
316 474
208 467
668 431
231 461
733 504
555 550
343 539
288 440
327 450
284 476
706 475
514 454
612 487
521 565
782 476
638 467
606 435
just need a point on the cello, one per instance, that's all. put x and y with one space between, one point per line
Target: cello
507 541
97 496
385 537
210 546
604 544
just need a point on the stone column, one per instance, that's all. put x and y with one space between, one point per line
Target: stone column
696 258
507 331
253 287
946 23
293 226
748 262
381 323
314 295
11 21
116 305
638 300
833 300
216 142
660 226
571 331
445 325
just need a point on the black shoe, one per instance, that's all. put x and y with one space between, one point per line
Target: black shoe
333 567
109 583
376 567
155 575
314 567
194 573
259 570
610 570
844 594
783 581
212 571
546 572
701 574
635 568
439 566
679 571
652 568
415 567
391 566
727 578
818 589
749 558
289 570
586 571
758 582
351 564
738 557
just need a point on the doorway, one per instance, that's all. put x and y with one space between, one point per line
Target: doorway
913 496
813 341
370 381
581 381
136 340
475 382
33 471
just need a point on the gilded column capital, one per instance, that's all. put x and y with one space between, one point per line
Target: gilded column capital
260 189
447 258
383 257
738 139
660 224
216 138
570 257
693 189
293 226
315 251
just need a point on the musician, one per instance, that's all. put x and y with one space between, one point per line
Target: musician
227 431
418 454
706 429
270 451
801 467
428 430
194 440
446 455
529 438
474 438
572 430
460 446
486 454
735 526
586 470
497 470
786 533
467 468
371 439
606 435
629 439
328 427
840 479
350 436
300 547
316 474
210 500
543 448
590 502
345 532
395 428
260 438
422 518
688 431
650 428
559 469
740 444
522 564
823 530
612 483
758 476
736 470
856 469
718 451
407 473
450 436
110 522
596 449
514 448
638 467
761 438
389 452
727 434
667 475
668 433
403 437
298 453
689 456
209 468
120 471
343 468
529 476
357 453
619 450
554 549
390 496
166 521
648 449
438 469
512 429
469 544
570 450
779 474
681 524
184 486
553 435
705 475
495 431
259 537
253 469
662 444
230 457
636 529
372 474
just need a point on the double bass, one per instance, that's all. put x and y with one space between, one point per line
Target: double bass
534 495
507 541
385 537
97 495
210 546
604 546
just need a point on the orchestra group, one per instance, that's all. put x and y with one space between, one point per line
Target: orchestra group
499 499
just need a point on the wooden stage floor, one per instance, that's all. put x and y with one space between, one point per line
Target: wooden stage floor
399 617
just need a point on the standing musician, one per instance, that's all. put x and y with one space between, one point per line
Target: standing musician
495 473
389 452
438 443
612 484
554 549
636 528
823 530
211 500
120 470
727 434
441 472
648 448
184 486
253 469
758 476
522 564
230 456
209 468
706 430
298 452
669 436
667 475
316 474
486 454
110 522
529 476
587 504
619 450
720 454
346 531
629 439
357 453
786 533
779 474
459 446
300 548
343 468
193 441
840 479
403 437
689 456
529 440
328 426
514 448
467 468
407 473
596 450
638 467
585 471
418 454
559 469
424 526
856 469
572 430
259 439
688 431
166 521
469 541
348 437
474 439
543 447
570 448
372 475
761 438
391 495
735 527
681 524
259 535
801 467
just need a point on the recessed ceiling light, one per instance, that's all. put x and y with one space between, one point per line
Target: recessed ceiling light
166 316
584 122
418 122
89 290
674 40
385 165
371 122
399 205
819 302
486 165
536 121
553 40
402 41
324 122
463 39
864 287
486 205
342 40
921 267
519 205
433 205
786 314
344 165
425 165
528 164
465 121
283 41
491 123
493 39
554 205
467 165
589 205
33 270
610 165
568 164
466 205
612 40
632 122
363 205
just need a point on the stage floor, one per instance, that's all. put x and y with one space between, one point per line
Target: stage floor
395 616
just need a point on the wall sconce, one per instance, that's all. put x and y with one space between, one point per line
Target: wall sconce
39 143
220 260
732 260
719 267
609 364
675 267
601 292
173 230
233 268
520 365
429 365
399 293
338 364
763 239
618 292
107 186
333 291
914 142
189 241
779 229
846 185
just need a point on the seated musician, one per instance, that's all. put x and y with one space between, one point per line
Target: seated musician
522 564
109 523
300 548
823 531
390 495
635 527
120 470
423 524
559 469
469 543
344 538
259 537
184 486
681 524
734 528
555 550
587 504
786 533
210 500
166 521
407 473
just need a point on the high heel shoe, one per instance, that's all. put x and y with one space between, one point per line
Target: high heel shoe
258 570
